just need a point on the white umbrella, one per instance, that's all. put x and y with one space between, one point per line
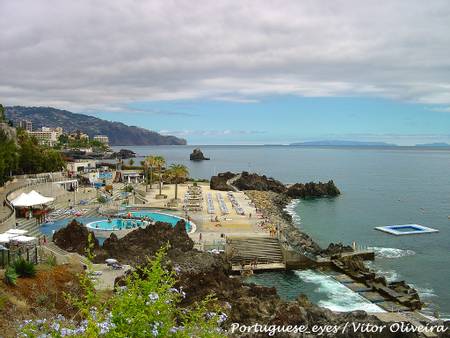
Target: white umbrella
31 199
19 200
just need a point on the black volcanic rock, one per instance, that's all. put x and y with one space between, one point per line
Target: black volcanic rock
219 182
312 189
138 245
123 154
74 238
197 155
117 132
258 182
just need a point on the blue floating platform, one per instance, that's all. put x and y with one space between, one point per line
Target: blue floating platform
406 229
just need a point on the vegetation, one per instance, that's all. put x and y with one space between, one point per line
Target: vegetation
65 142
146 305
152 163
9 157
10 276
2 114
23 268
26 156
178 173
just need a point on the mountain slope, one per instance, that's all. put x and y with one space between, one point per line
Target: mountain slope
118 133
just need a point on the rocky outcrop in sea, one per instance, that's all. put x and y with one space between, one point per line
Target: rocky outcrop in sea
197 155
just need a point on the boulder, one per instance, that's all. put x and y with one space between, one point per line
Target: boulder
312 189
197 155
138 245
74 238
253 181
219 182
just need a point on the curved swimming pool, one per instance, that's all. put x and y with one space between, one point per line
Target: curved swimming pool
123 223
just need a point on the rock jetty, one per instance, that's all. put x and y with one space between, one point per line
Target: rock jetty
251 181
197 155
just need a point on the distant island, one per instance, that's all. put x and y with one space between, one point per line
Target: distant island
343 143
117 132
436 144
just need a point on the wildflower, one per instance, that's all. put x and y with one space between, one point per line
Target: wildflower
222 317
153 296
55 326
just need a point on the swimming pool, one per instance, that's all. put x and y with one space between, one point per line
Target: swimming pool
122 224
406 229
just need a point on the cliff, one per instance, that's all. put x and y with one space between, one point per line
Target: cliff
117 132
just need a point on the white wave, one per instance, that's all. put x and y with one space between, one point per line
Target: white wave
390 275
337 297
391 252
290 209
423 291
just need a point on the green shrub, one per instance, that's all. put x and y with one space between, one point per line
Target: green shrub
51 260
24 268
102 199
10 276
3 301
147 306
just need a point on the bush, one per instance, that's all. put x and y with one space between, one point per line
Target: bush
51 260
24 268
148 305
10 276
102 199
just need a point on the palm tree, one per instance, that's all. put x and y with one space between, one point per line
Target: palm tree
157 162
178 173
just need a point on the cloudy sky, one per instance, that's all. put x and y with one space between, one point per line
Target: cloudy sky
236 71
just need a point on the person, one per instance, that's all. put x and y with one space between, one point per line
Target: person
250 215
200 236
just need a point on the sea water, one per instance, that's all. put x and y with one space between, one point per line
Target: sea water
380 186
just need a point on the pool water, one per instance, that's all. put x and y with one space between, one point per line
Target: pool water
160 217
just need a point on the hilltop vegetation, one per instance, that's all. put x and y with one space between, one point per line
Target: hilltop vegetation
117 132
22 154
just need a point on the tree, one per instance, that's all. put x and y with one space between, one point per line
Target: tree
153 162
8 157
2 114
131 162
178 173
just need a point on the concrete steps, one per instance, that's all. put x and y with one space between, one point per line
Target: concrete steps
263 249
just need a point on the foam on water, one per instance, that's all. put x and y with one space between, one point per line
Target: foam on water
290 209
337 297
391 252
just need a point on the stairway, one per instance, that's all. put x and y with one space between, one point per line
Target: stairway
244 250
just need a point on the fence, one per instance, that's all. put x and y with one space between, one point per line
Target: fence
8 257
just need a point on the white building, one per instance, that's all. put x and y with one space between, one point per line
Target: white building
81 166
47 136
102 138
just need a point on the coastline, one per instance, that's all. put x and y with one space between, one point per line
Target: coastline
279 210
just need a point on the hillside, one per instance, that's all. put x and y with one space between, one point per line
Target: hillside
118 133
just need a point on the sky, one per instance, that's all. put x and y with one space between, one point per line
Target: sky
236 72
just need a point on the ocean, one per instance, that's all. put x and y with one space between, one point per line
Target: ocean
380 186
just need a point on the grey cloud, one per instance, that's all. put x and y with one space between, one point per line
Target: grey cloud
98 55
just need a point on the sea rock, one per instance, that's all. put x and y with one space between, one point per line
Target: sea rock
219 182
254 181
312 189
123 154
197 155
336 249
74 238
